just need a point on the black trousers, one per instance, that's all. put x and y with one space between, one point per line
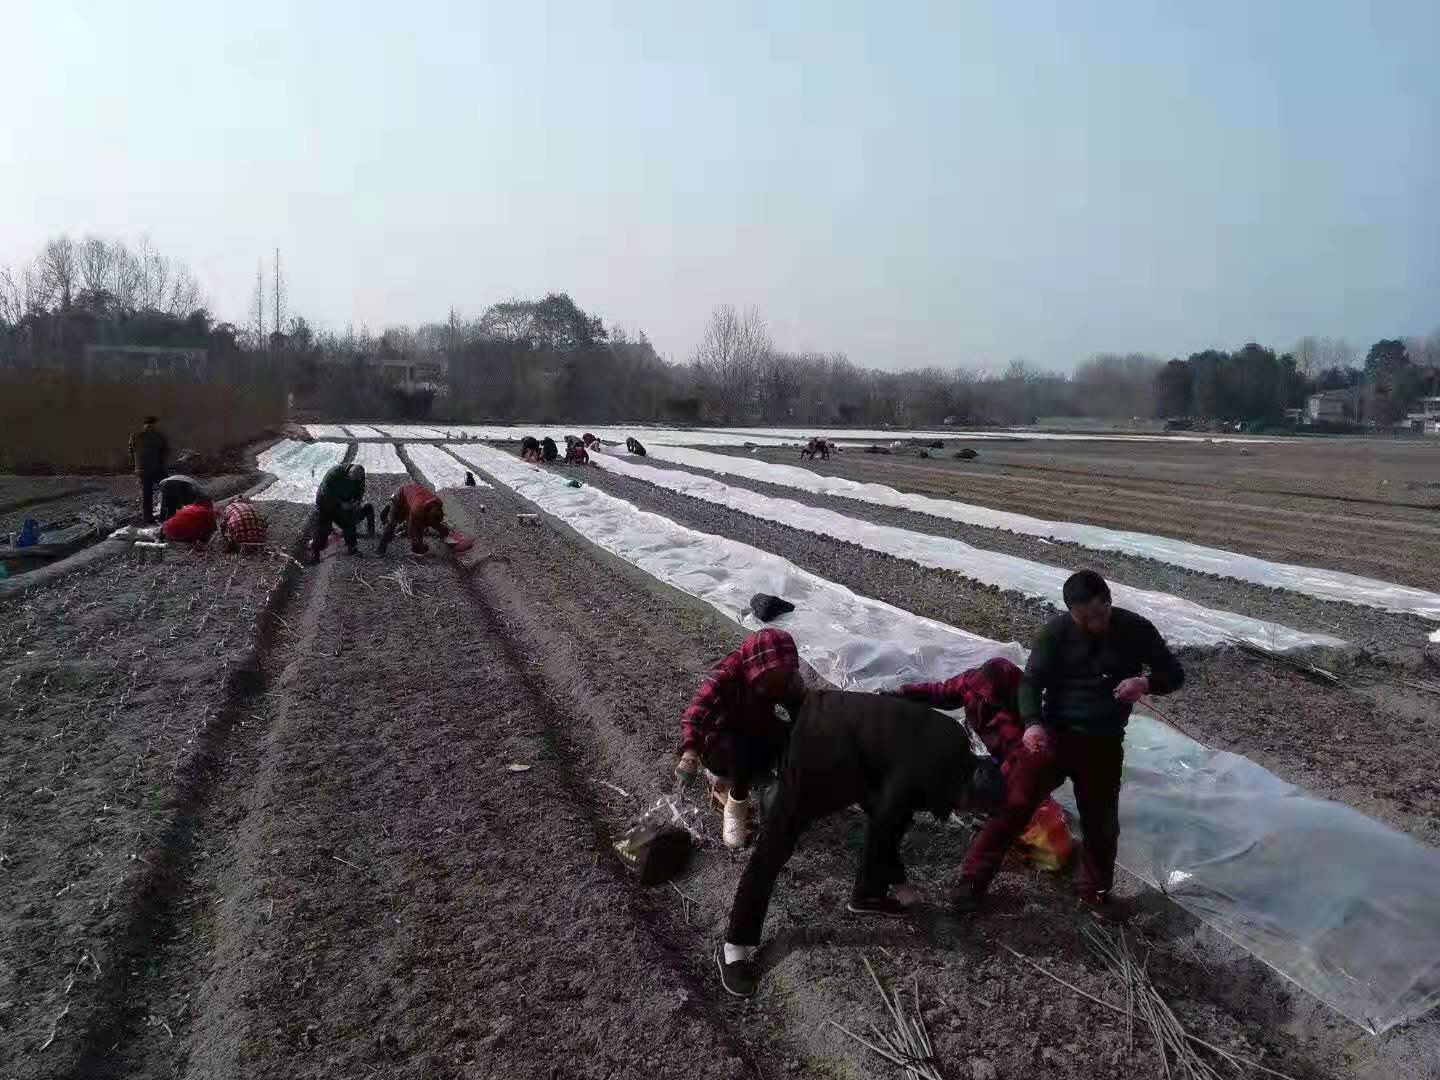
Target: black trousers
148 483
818 778
330 514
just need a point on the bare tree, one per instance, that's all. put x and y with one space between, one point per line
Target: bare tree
729 357
257 309
59 268
278 292
1309 356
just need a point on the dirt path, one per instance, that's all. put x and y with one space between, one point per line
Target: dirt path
1207 494
120 679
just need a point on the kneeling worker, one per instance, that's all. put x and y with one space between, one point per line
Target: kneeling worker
241 523
731 724
416 509
177 491
1087 669
892 757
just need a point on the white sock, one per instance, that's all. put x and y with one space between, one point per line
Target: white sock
736 802
734 954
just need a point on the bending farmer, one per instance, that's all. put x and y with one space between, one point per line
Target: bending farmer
731 724
341 502
177 491
1087 669
890 756
416 509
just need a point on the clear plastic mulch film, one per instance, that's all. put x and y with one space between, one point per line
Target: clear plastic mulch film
378 458
851 640
1345 907
441 470
1310 581
1183 622
298 468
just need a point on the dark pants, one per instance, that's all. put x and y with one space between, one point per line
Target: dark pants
740 757
815 782
330 514
148 483
1093 763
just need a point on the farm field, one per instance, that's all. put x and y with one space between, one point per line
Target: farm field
261 820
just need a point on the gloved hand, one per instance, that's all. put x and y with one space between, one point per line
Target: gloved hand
1037 740
688 767
1132 690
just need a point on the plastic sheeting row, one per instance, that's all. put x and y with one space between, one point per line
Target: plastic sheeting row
440 469
1338 903
378 458
1322 584
1183 622
298 468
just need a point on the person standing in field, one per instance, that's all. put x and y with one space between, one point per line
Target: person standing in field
1087 669
731 725
149 451
340 501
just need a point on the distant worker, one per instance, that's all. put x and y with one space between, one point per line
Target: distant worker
891 757
549 450
193 523
589 440
180 490
340 501
633 445
241 523
530 449
149 452
469 478
814 447
730 723
576 454
416 509
1087 669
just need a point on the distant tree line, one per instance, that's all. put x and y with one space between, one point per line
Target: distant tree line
549 360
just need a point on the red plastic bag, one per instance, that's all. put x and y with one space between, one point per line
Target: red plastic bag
1047 841
459 541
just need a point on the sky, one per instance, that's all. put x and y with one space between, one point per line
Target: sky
958 184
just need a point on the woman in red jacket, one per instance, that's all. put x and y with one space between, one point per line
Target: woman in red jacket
417 509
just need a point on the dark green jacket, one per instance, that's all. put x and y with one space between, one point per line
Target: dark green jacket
1070 679
341 484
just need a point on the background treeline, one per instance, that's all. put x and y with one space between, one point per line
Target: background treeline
549 360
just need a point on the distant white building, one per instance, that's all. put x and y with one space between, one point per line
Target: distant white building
1332 407
1427 419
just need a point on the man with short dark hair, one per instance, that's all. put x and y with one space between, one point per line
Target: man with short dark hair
1087 669
149 450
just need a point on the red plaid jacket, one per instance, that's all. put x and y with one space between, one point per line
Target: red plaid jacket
241 523
990 696
725 701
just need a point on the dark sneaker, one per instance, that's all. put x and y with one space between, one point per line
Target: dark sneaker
887 906
1105 907
968 900
739 979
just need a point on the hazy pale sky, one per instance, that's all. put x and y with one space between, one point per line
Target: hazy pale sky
949 183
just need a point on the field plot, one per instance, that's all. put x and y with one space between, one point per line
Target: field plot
1369 507
385 850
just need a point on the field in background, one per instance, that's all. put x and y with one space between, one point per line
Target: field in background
72 425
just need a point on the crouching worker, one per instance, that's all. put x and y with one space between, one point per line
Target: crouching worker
341 502
731 724
192 524
530 449
1086 671
177 491
893 758
576 454
416 509
990 696
241 523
